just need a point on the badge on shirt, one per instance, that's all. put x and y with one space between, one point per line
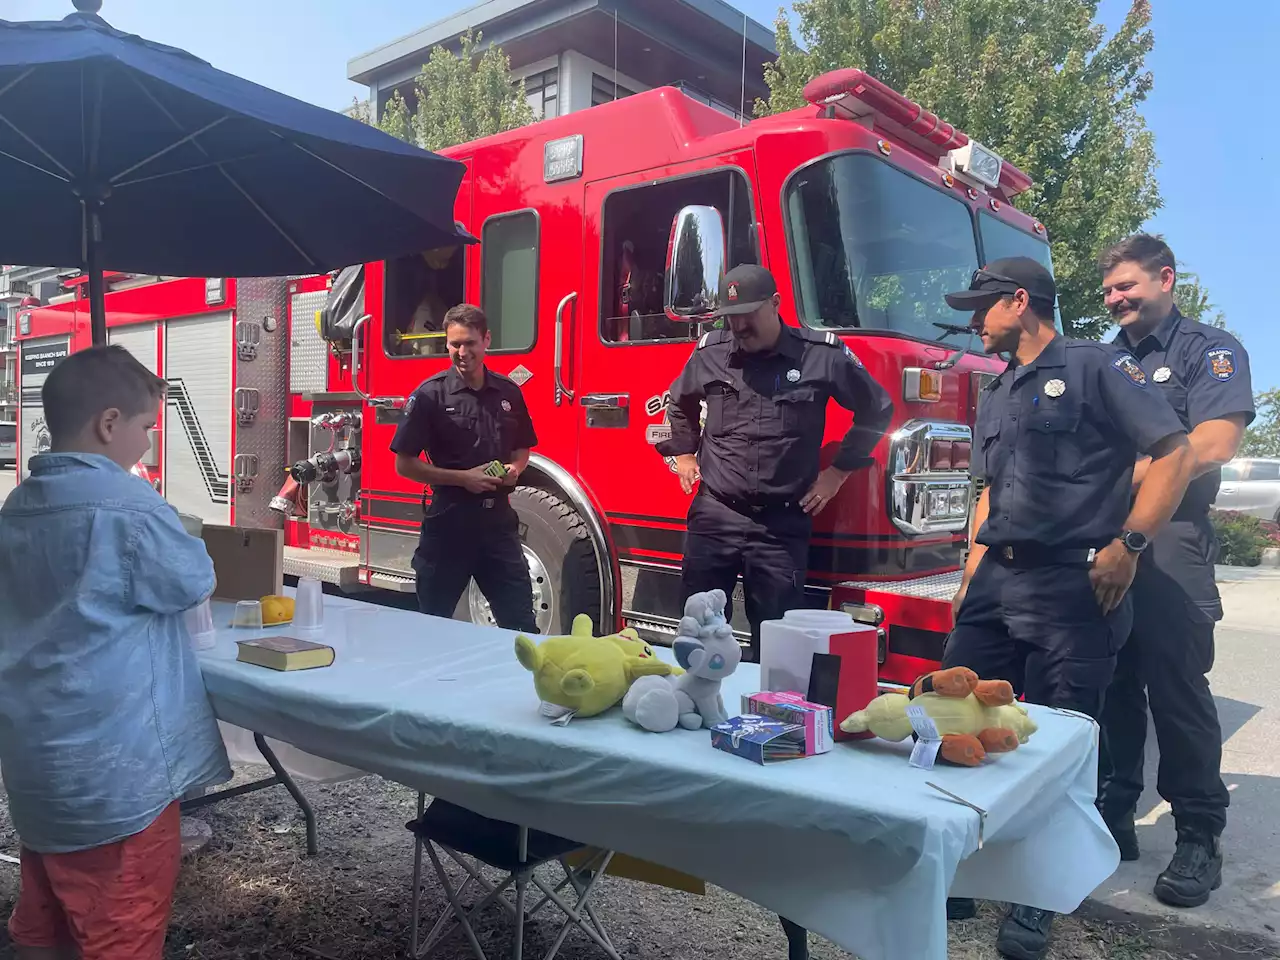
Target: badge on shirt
1055 388
506 405
793 375
852 356
1162 375
408 407
1222 363
1131 369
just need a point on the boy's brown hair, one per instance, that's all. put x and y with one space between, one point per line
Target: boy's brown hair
81 386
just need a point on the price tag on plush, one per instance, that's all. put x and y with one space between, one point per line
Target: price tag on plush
928 742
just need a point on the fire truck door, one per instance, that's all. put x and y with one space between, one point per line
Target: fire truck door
630 352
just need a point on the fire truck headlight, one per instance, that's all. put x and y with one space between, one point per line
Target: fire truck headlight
978 162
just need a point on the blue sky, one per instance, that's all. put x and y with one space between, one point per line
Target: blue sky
1221 192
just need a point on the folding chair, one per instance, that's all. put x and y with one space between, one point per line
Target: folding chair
465 837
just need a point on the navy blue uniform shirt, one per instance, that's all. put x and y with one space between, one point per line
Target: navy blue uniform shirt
1056 441
766 413
460 428
1204 374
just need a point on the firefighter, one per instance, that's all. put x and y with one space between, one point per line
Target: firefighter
465 418
1204 373
766 387
1043 602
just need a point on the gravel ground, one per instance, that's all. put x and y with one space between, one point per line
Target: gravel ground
253 894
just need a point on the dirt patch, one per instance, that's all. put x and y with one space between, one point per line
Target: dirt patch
253 894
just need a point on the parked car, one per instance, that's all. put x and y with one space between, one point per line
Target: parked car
1251 485
8 443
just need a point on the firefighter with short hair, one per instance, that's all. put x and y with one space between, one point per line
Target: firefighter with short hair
465 418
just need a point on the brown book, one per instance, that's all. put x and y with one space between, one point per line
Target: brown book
285 653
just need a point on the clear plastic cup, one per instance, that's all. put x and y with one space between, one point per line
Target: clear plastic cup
199 621
308 605
248 615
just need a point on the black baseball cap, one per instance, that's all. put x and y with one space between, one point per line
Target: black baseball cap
1001 278
745 289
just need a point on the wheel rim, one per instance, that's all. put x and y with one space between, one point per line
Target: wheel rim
543 596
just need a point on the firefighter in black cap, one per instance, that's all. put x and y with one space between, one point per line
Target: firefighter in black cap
766 386
1044 602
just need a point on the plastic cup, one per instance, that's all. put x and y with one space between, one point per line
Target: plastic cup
248 615
308 605
199 621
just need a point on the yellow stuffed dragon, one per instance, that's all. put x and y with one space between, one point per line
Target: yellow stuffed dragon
974 717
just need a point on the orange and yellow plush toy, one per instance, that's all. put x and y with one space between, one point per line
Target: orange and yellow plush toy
973 717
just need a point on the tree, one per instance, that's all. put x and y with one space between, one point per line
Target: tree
459 97
1262 439
1193 301
1036 81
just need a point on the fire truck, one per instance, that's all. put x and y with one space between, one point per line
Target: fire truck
602 235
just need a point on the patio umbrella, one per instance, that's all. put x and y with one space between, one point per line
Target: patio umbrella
117 153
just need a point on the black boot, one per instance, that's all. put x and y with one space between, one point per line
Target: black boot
961 908
797 940
1195 870
1024 934
1125 835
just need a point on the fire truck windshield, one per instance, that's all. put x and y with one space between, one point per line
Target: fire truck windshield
1000 239
874 248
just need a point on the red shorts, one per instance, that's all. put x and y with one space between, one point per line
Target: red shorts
110 902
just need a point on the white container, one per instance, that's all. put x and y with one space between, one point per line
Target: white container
787 647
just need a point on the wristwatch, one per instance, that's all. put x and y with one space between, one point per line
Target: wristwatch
1134 541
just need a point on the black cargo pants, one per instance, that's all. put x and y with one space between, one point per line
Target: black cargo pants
477 537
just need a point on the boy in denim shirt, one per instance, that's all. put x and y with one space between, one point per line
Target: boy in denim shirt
104 721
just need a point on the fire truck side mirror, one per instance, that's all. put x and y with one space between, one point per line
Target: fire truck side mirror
695 264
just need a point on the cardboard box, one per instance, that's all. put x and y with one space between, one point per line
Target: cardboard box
790 707
247 561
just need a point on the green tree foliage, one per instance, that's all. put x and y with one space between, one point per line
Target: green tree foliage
459 97
1039 82
1193 301
1262 439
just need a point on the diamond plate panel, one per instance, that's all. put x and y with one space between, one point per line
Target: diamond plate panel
326 566
263 436
308 353
940 586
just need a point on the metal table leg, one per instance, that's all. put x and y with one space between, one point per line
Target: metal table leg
309 815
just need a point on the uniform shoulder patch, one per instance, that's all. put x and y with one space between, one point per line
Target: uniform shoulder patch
1129 366
1221 362
410 403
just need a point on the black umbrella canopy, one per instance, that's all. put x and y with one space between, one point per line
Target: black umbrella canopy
118 153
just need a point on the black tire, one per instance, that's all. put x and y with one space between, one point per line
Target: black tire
569 580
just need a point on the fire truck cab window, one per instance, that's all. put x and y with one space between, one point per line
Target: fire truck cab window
419 290
1000 240
509 279
874 248
637 229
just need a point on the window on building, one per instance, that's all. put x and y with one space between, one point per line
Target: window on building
542 90
509 279
419 289
602 90
637 229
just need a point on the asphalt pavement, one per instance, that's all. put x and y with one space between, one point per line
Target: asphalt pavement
1248 695
1248 647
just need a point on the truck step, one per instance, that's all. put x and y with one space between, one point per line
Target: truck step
327 566
940 586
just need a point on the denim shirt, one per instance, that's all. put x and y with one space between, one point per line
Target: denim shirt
104 720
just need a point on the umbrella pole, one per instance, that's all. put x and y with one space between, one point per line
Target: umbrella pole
93 266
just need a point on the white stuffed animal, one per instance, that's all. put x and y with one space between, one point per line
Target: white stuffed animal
706 649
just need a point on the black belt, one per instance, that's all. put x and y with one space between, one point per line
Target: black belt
752 507
1034 555
488 502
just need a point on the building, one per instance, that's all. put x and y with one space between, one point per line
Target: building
19 285
574 54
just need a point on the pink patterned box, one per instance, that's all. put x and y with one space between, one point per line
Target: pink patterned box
793 708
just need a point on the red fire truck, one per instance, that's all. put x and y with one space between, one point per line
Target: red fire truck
602 235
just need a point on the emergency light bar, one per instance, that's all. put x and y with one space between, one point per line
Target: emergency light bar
856 95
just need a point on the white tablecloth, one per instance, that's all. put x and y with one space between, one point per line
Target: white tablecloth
852 844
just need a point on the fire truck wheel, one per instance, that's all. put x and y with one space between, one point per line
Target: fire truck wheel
562 565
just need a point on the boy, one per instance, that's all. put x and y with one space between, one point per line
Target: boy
104 721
